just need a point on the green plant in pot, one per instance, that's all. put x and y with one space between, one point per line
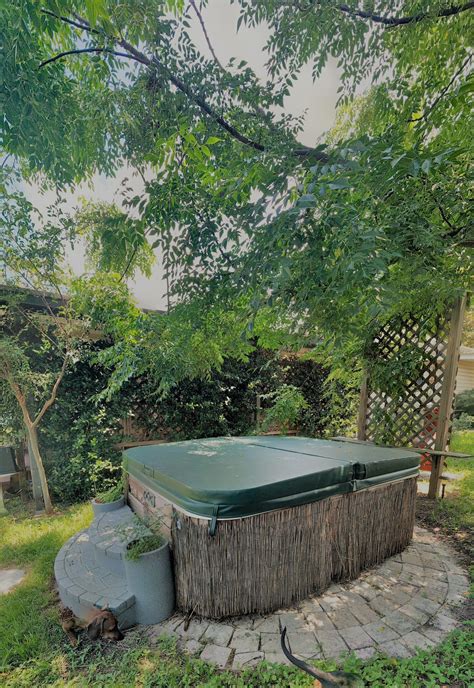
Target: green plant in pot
110 499
148 569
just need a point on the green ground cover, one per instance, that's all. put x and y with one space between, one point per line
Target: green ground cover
454 515
35 652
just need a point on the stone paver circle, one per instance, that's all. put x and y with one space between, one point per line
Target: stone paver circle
404 604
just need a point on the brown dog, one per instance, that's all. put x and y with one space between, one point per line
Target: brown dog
100 624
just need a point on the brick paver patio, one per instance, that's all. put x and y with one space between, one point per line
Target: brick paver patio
406 603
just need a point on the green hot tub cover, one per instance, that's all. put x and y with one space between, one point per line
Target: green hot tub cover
232 477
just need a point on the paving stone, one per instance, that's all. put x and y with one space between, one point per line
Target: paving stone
167 628
390 567
416 614
277 658
195 630
243 622
400 622
433 634
382 605
416 640
330 602
425 605
310 606
377 581
332 643
397 597
432 562
458 581
244 640
267 624
409 577
191 646
304 643
435 575
380 632
350 597
9 578
292 620
356 638
320 621
411 558
342 618
219 634
393 648
217 655
455 596
363 613
435 594
362 588
365 652
453 567
242 660
270 642
444 623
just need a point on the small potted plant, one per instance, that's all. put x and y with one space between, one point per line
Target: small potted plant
109 500
149 571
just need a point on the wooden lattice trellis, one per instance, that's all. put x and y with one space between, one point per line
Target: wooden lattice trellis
419 414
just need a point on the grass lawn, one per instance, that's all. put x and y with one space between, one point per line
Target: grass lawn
454 515
35 653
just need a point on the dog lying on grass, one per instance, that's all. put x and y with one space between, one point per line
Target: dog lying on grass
100 624
324 679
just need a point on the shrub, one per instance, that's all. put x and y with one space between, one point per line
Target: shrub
463 422
464 403
287 404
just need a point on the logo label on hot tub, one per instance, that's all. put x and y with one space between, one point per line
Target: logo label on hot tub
149 498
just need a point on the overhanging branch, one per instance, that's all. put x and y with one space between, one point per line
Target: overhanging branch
59 56
137 55
388 21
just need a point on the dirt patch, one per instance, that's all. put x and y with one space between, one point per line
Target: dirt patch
429 515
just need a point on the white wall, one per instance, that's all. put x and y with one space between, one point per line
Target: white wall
465 376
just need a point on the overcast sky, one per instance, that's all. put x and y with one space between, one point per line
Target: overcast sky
318 99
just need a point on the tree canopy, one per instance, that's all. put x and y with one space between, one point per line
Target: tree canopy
373 220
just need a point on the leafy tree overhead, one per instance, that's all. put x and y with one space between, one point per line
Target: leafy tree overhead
373 221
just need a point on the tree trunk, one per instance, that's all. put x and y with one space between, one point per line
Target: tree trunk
36 457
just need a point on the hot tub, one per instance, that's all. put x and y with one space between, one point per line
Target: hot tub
258 523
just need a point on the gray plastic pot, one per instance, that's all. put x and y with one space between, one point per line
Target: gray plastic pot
102 507
150 579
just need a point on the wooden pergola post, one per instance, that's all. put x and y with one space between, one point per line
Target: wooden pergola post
361 419
447 394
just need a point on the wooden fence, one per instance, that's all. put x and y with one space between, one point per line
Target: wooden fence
421 415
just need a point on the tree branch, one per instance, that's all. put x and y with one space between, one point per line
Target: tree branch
400 21
357 13
134 53
443 91
59 56
49 402
206 35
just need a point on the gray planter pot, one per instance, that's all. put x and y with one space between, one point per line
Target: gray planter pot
150 579
103 507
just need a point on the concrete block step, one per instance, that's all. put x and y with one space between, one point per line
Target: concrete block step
84 585
108 538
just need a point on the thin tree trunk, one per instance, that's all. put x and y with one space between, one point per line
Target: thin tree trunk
33 439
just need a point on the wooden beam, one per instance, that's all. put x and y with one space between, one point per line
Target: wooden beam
362 416
415 450
447 394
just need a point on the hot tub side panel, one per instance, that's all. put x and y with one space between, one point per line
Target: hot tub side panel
272 560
